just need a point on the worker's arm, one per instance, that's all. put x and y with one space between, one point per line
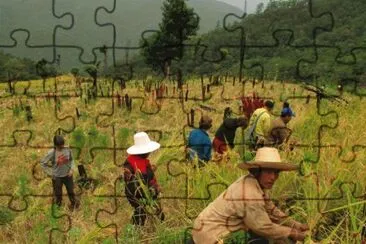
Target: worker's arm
258 221
266 124
45 160
279 217
207 147
72 164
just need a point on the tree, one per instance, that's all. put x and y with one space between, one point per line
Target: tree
92 70
104 51
75 73
260 8
45 70
178 24
14 69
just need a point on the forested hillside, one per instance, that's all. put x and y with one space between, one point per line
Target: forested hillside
278 37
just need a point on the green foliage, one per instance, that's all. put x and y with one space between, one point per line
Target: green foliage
14 68
74 233
22 185
178 24
280 61
75 71
78 138
92 70
6 216
167 236
236 237
123 136
44 69
16 110
130 234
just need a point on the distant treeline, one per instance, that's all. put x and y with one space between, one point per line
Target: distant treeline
15 68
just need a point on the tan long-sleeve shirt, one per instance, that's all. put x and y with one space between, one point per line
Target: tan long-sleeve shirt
244 205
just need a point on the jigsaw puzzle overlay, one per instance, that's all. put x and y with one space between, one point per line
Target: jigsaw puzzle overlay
98 117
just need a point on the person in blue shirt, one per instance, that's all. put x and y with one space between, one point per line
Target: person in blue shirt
199 143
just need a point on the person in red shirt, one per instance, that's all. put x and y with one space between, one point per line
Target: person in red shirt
141 186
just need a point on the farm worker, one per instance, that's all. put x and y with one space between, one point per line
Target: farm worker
141 186
246 205
225 134
199 143
279 133
260 124
61 171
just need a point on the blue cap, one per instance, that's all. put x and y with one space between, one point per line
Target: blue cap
287 112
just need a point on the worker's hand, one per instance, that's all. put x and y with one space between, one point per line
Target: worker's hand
303 227
297 235
70 173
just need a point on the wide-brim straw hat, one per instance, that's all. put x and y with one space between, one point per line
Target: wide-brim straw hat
142 145
269 158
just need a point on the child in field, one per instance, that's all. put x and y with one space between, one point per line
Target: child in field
61 171
141 186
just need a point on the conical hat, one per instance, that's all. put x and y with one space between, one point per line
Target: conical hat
269 158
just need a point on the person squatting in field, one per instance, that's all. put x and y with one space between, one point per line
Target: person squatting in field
61 171
199 143
246 205
279 132
225 134
141 186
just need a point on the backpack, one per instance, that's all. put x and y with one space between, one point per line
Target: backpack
250 135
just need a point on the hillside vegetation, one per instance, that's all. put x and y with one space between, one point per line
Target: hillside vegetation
280 41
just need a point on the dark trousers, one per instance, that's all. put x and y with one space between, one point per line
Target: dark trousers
57 183
256 239
140 214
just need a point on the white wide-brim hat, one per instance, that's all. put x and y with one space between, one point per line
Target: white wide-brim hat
143 144
269 158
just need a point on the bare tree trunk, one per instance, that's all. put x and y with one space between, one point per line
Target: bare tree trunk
167 70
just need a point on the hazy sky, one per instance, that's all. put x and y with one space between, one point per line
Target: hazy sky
251 4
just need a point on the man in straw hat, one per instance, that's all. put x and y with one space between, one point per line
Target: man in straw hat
246 205
141 186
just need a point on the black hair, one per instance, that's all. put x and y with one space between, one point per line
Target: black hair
269 104
58 141
145 155
205 123
227 112
241 121
286 105
255 172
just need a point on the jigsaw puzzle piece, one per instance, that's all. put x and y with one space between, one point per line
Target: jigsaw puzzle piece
37 37
82 25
